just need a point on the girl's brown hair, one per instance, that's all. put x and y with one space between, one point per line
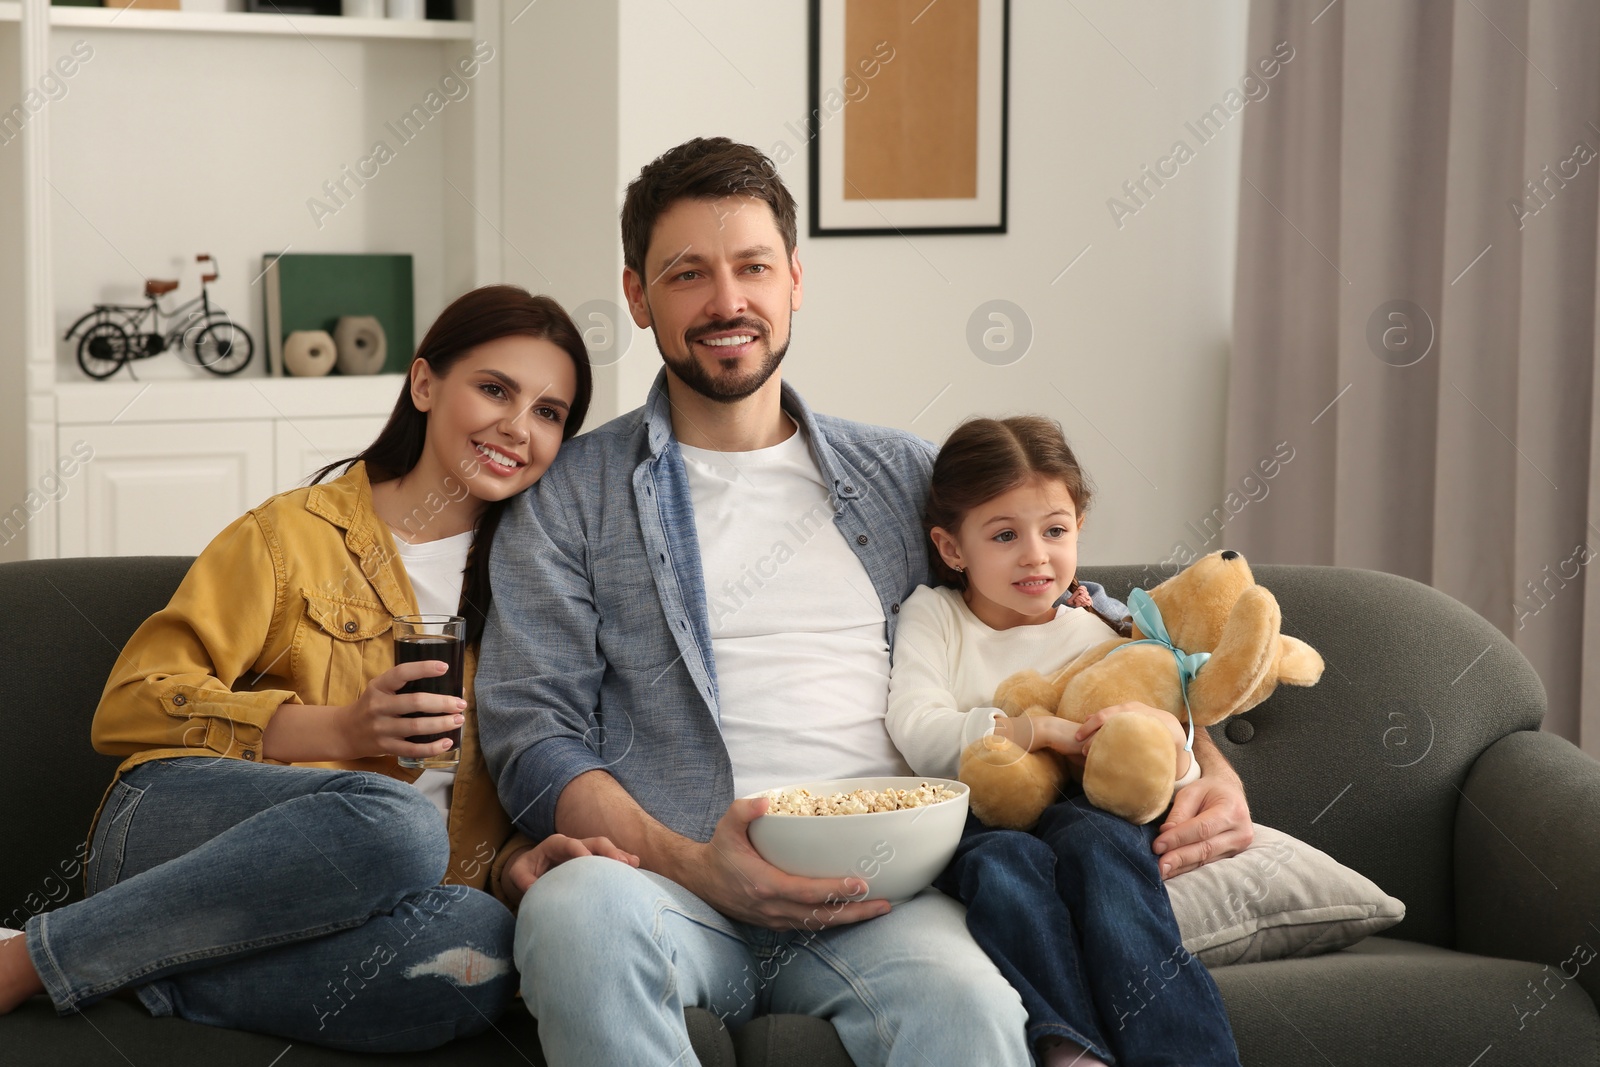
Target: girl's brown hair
983 458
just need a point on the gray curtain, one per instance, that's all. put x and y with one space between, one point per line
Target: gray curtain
1415 312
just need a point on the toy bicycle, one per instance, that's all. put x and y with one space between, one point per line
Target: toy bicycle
114 335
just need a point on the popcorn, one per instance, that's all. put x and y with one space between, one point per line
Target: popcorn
859 802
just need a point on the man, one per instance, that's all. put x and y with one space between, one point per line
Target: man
696 603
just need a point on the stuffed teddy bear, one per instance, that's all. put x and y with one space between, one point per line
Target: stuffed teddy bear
1213 606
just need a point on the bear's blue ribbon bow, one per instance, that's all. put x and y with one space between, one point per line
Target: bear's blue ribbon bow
1147 617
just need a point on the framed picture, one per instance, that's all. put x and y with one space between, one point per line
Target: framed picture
908 116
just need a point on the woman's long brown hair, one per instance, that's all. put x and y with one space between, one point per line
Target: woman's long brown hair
474 318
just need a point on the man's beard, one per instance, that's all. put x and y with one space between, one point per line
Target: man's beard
723 388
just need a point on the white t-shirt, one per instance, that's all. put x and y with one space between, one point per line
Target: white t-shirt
947 663
797 630
436 570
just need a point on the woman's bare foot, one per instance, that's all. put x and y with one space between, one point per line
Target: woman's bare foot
18 979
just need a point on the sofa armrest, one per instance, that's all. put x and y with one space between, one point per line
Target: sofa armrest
1527 862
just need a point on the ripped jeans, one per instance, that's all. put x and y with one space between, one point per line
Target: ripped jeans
296 901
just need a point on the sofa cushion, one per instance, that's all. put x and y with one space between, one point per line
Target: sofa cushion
117 1032
790 1041
64 627
1381 1003
1396 1002
1277 899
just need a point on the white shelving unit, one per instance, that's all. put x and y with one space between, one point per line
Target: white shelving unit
186 132
148 490
247 22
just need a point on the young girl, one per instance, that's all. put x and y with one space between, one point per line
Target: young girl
1074 913
247 868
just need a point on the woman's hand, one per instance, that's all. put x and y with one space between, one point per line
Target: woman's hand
531 864
376 724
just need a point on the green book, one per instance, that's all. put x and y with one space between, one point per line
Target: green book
310 291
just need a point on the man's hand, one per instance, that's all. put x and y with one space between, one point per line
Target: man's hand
731 876
531 864
1209 820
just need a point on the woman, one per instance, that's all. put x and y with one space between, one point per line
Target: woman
248 869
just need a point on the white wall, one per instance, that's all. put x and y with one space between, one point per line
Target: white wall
560 198
1136 333
13 398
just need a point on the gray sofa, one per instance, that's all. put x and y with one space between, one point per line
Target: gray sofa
1417 760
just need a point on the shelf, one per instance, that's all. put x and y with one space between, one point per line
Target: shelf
248 22
225 398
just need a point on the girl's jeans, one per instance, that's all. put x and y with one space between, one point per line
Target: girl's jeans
1076 916
296 901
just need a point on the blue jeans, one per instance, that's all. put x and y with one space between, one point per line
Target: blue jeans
1075 915
294 901
610 957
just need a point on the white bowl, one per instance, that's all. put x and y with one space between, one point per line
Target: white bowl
897 853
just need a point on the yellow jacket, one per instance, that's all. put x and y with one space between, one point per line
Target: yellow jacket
290 603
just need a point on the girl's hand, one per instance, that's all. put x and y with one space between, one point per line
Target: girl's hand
1033 732
531 864
376 725
1091 726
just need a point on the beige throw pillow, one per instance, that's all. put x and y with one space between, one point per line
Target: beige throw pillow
1277 899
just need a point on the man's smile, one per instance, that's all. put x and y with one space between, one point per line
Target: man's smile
729 338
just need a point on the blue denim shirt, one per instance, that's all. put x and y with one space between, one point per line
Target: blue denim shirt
598 654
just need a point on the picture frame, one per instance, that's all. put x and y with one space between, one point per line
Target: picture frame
918 148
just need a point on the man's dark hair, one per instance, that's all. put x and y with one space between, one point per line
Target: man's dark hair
706 168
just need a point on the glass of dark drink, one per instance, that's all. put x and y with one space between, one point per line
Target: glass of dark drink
432 637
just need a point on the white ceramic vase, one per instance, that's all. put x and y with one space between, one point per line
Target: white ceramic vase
361 343
308 353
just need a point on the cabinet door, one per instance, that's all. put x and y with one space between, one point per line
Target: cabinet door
161 489
305 446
